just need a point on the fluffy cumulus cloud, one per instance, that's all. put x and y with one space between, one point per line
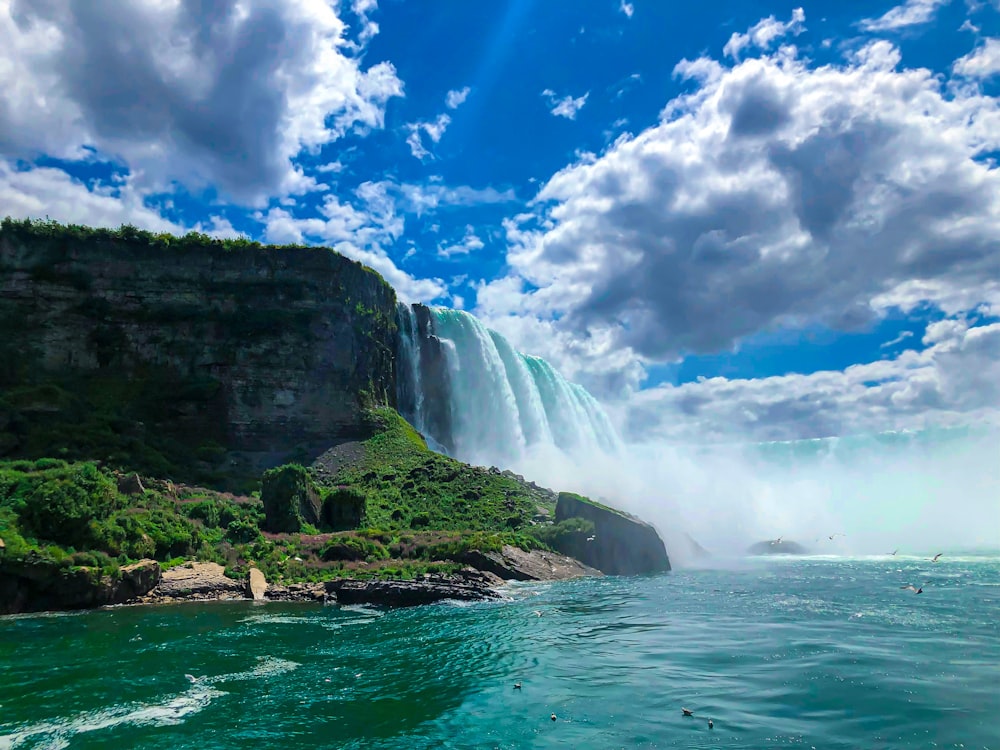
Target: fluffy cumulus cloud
564 106
788 192
764 33
775 194
224 93
983 62
911 13
955 380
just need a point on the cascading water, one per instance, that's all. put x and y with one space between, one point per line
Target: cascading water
498 403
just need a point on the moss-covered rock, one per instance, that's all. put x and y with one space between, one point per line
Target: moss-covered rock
290 499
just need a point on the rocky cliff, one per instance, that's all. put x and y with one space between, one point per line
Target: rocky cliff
620 544
165 353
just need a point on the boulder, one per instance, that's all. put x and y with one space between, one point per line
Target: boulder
514 564
130 484
406 593
135 580
197 580
256 585
620 544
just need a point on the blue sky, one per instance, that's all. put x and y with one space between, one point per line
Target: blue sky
723 218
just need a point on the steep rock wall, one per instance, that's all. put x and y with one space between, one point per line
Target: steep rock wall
181 355
620 545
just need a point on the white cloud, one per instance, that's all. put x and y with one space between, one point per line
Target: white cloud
982 62
456 97
222 94
954 381
363 9
361 230
433 129
903 336
627 8
764 32
773 195
469 243
565 106
48 192
910 13
424 199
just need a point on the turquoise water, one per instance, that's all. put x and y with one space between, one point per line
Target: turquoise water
811 653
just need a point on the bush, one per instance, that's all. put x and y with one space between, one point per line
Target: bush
344 508
61 507
243 531
290 499
353 548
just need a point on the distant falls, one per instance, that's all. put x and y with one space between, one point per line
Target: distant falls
475 397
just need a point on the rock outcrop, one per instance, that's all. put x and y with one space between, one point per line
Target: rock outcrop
238 358
35 585
775 547
256 585
435 406
407 593
620 544
196 580
514 564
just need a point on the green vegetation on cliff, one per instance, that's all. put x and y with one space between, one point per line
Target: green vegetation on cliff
391 509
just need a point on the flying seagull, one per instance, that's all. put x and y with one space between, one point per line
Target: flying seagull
591 538
893 553
914 589
687 712
935 558
833 535
537 613
777 541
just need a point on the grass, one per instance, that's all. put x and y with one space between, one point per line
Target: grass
408 486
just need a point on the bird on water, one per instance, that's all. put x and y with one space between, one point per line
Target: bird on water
687 712
517 685
710 724
914 589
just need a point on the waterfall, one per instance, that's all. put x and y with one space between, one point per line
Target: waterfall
467 388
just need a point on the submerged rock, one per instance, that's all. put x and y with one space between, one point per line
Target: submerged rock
621 544
406 593
775 547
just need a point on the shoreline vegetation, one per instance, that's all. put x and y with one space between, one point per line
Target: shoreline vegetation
370 521
144 402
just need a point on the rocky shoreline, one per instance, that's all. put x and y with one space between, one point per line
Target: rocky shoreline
481 580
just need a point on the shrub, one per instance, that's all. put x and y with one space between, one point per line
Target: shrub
290 499
62 505
353 548
344 508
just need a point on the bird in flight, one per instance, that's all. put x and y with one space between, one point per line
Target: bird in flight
935 558
835 535
537 613
777 541
914 589
893 553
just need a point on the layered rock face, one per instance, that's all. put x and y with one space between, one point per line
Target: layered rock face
620 544
238 356
33 586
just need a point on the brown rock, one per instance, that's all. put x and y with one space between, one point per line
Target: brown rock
130 484
197 580
513 563
135 580
256 585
